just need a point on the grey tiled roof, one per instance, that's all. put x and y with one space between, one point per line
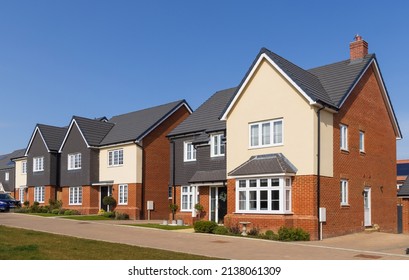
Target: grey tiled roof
404 189
53 135
206 117
6 160
208 176
338 78
133 126
265 164
94 130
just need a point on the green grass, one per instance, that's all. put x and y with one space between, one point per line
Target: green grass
87 218
20 244
165 227
42 214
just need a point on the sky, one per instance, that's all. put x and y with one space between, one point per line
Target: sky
104 58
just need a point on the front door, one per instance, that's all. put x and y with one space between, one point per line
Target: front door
104 191
367 207
218 204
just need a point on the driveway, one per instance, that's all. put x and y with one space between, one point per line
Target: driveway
362 246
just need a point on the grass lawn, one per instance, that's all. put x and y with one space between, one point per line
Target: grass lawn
166 227
20 244
42 214
87 218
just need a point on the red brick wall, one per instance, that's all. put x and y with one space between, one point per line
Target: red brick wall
133 207
49 193
156 169
90 200
405 215
364 110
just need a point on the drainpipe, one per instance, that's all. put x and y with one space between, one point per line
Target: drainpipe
173 176
319 172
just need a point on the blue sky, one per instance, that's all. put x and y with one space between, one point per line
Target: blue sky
104 58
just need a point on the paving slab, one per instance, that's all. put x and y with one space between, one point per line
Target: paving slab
360 246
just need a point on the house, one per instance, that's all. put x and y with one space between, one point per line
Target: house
305 143
198 167
126 157
20 175
41 161
7 172
402 169
403 207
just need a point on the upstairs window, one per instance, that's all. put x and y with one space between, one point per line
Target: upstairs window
116 157
344 137
189 152
217 147
268 133
6 176
74 161
38 164
362 141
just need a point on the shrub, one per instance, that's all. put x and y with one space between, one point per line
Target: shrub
22 210
71 212
269 234
55 211
26 203
293 234
254 231
109 214
121 216
221 230
44 209
54 204
234 229
204 226
109 200
199 207
101 212
173 207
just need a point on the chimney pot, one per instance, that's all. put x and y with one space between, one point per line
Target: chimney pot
358 48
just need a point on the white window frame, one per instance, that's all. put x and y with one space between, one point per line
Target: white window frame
75 196
24 167
187 198
247 187
38 164
343 137
123 194
115 157
74 161
39 194
189 151
6 176
21 193
361 141
264 140
344 192
217 147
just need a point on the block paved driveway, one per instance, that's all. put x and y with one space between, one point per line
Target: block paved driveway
361 246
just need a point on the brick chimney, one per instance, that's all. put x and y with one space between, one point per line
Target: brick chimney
358 48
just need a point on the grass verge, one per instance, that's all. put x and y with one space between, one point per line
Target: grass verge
157 226
21 244
87 218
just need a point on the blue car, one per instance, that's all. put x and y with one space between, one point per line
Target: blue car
7 202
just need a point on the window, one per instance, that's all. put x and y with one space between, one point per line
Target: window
189 152
264 195
217 147
344 192
21 192
187 198
38 164
362 141
344 137
74 161
269 133
7 176
75 196
24 167
116 157
39 194
123 194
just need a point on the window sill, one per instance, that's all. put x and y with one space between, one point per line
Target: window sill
265 146
362 153
264 213
186 211
122 204
346 152
345 205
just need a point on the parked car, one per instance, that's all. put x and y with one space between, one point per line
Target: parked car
7 202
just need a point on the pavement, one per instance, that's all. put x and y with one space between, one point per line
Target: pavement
360 246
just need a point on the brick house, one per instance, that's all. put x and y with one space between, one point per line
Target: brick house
299 140
126 157
42 161
198 167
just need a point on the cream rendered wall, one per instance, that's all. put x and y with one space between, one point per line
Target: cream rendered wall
129 172
21 179
269 96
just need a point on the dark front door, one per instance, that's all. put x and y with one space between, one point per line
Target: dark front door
218 204
104 191
222 204
400 218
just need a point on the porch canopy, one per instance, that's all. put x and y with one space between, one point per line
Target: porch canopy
213 176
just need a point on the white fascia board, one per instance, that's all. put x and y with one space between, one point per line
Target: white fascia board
384 93
115 145
262 175
250 75
32 139
68 132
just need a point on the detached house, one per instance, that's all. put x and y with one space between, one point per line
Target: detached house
126 157
42 164
300 140
198 168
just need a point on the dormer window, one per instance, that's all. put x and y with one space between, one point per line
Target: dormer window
189 151
217 147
